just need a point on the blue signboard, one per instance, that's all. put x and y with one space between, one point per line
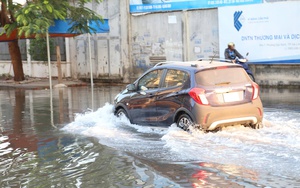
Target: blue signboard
137 6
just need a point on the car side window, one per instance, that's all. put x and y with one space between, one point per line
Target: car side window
175 78
151 80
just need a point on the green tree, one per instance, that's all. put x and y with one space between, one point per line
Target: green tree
36 16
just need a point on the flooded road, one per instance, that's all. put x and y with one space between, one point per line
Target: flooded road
82 144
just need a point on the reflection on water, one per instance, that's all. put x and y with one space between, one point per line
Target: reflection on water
74 147
281 98
34 153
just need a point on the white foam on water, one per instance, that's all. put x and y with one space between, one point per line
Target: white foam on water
275 148
3 138
112 131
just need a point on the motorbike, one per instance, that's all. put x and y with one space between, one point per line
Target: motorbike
244 64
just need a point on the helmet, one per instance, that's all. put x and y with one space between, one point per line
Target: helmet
231 44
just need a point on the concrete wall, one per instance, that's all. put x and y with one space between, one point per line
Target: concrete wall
138 41
37 69
202 34
109 51
31 67
190 35
173 36
154 39
277 75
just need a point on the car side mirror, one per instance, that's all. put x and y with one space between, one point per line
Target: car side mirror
131 87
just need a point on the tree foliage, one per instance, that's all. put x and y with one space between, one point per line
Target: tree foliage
34 19
36 16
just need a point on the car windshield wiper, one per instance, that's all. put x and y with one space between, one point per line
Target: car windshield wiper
222 83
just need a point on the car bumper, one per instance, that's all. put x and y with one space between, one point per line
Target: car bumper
211 118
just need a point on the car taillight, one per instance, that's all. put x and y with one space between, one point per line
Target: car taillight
198 94
255 91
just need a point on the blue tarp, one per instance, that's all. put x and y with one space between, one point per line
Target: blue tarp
60 29
63 26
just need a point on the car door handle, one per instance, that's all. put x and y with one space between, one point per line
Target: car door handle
150 95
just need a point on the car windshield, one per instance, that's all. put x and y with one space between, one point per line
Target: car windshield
221 76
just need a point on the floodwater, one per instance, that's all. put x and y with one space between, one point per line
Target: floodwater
74 140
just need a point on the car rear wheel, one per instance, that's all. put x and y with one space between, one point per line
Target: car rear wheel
184 122
121 112
257 126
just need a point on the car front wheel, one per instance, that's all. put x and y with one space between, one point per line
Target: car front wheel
121 112
184 122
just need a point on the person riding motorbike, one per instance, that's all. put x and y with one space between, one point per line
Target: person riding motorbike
235 57
231 53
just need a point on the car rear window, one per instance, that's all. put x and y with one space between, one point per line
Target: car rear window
220 76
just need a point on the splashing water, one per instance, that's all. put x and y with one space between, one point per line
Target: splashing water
273 149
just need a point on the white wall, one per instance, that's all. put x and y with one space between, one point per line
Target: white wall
109 50
38 69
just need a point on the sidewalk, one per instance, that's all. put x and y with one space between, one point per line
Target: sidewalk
39 83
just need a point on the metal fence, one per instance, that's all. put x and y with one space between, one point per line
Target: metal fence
5 56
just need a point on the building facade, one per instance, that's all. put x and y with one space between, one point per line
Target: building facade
137 41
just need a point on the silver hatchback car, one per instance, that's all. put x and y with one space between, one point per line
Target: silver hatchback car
205 94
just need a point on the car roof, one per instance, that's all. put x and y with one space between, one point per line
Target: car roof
195 65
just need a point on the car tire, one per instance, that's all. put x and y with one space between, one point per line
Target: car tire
257 125
121 112
184 122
